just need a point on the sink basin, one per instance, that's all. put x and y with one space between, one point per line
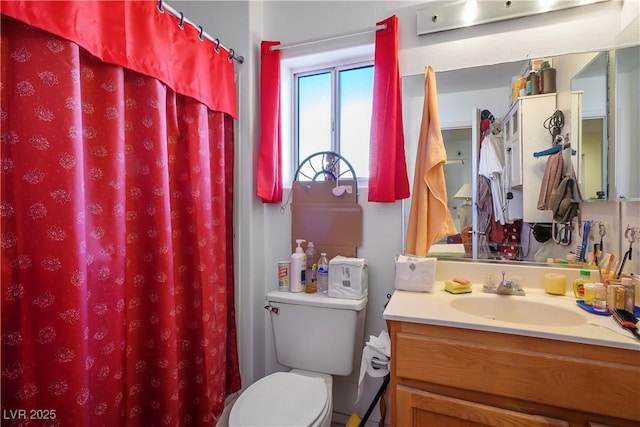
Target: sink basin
517 310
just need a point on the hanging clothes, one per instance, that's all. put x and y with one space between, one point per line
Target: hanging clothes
491 166
484 206
550 179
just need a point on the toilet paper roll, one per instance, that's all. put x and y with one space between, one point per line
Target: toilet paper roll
375 359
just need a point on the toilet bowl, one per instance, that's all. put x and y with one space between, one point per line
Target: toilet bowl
295 398
316 336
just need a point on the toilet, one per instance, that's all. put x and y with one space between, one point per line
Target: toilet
318 337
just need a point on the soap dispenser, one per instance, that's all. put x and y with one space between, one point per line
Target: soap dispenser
298 268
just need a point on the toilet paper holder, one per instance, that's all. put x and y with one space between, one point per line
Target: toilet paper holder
379 364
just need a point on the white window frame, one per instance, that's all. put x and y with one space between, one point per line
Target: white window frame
336 143
300 63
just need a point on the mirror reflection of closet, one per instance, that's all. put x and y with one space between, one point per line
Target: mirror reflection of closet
457 171
462 93
592 82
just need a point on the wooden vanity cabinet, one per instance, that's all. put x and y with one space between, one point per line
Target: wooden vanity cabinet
443 376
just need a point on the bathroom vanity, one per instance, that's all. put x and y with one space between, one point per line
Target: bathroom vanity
467 367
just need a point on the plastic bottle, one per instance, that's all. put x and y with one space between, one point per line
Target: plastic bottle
578 284
298 267
599 301
629 294
533 78
323 274
312 282
548 75
311 259
515 88
588 292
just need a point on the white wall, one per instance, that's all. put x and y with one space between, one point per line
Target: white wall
263 232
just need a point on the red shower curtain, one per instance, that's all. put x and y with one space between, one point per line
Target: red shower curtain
116 246
388 180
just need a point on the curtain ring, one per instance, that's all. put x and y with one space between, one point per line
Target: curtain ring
160 8
181 22
217 48
231 55
201 33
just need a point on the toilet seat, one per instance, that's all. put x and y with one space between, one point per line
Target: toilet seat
281 399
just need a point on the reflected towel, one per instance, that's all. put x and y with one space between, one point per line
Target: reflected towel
429 216
550 179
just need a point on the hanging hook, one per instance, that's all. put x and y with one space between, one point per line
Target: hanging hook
201 33
217 48
181 22
630 235
561 233
603 232
272 309
231 55
160 8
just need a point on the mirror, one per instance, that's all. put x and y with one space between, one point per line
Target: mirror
591 82
627 112
464 93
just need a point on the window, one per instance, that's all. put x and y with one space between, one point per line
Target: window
332 112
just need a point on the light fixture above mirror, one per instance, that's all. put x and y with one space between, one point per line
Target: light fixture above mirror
449 15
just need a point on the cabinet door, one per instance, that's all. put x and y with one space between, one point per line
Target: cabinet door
513 152
534 111
420 408
513 161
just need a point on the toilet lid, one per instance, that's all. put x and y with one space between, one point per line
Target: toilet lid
280 399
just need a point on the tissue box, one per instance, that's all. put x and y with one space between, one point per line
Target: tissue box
415 274
348 277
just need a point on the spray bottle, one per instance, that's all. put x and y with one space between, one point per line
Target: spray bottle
298 268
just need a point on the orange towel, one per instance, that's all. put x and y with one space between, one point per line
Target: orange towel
429 216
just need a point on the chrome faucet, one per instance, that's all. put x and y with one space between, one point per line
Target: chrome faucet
505 287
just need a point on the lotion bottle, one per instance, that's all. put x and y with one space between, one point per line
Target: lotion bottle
298 267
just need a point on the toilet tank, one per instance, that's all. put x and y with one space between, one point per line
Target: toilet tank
315 332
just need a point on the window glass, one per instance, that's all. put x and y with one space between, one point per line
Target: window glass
355 104
314 114
333 113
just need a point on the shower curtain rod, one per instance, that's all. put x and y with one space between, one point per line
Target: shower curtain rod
162 6
337 36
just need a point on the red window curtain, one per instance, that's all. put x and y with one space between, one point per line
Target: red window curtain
388 179
269 181
116 242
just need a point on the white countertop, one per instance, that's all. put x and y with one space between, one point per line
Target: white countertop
434 308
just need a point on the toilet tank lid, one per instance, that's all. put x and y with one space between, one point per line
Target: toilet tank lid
316 300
